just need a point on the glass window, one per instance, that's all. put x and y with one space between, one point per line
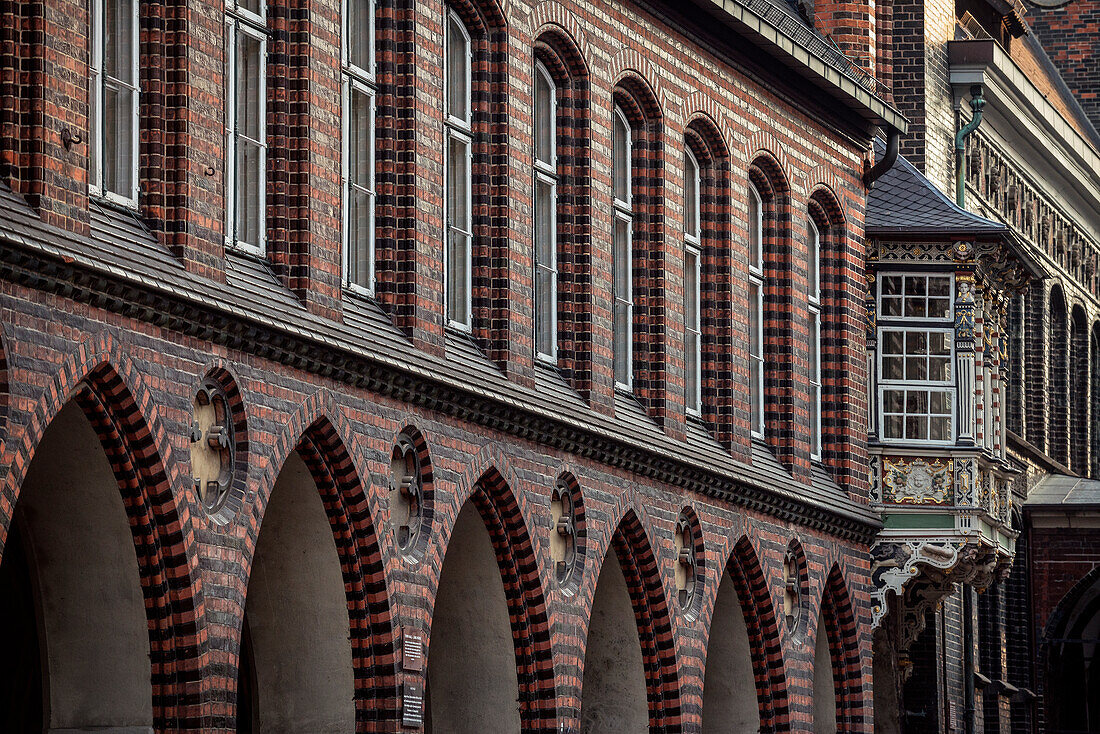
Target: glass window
622 255
358 152
692 333
814 294
546 206
246 134
915 296
114 101
756 355
919 408
459 171
691 197
756 310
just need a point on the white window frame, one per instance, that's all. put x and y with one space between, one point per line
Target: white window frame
756 278
461 130
98 77
904 274
357 79
942 386
624 212
546 172
814 298
241 20
694 403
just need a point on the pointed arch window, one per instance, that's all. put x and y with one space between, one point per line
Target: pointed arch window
358 88
814 297
546 208
756 310
622 254
459 175
693 342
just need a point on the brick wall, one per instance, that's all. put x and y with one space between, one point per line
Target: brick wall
1067 34
686 82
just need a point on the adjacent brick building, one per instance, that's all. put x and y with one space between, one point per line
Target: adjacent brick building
345 388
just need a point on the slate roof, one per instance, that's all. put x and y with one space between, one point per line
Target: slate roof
904 202
122 248
1064 490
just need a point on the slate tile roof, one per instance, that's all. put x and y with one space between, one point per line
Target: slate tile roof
904 202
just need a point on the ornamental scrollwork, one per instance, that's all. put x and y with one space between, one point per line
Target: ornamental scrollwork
917 481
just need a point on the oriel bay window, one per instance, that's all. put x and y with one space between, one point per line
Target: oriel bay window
358 87
458 175
622 250
692 320
756 310
916 357
246 125
113 100
546 207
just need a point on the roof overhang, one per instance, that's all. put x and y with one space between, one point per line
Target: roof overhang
769 37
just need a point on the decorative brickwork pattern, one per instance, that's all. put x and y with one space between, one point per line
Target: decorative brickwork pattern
841 626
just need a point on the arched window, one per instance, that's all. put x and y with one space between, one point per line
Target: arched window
813 290
693 343
246 125
756 309
622 254
113 101
546 208
458 175
358 87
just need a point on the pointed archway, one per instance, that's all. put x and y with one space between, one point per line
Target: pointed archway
489 664
744 686
630 682
92 439
838 667
316 649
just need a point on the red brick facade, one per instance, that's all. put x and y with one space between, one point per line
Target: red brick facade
133 370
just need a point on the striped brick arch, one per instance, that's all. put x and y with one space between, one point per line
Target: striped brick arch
755 598
647 597
318 432
527 612
107 388
843 634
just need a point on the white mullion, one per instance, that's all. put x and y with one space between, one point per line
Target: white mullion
756 337
696 406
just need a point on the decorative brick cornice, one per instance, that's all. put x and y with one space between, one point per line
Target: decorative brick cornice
211 322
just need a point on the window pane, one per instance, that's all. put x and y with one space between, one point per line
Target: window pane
893 368
813 264
691 185
620 152
360 140
691 290
892 426
815 346
458 184
893 401
458 59
939 343
815 419
622 341
755 346
754 388
939 308
756 234
360 33
360 230
916 401
891 285
691 370
622 259
118 141
544 314
891 307
458 270
250 76
915 308
916 368
544 117
250 199
939 429
893 342
915 285
916 342
916 427
939 285
940 403
254 6
118 40
544 222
